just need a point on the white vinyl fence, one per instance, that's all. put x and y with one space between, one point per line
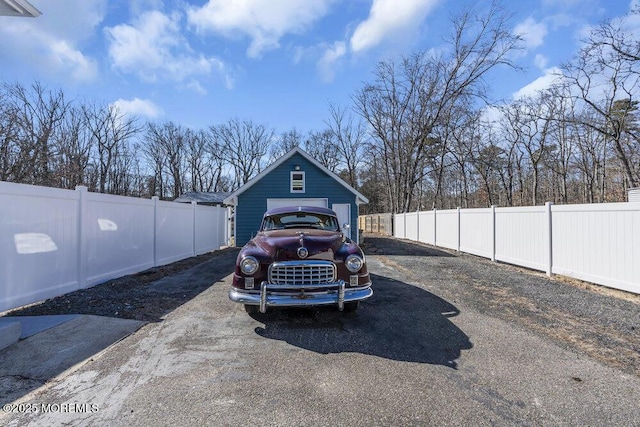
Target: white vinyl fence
598 243
54 241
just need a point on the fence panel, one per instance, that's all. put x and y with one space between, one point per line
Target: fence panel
476 231
210 226
376 223
598 243
398 225
54 241
118 236
447 228
38 242
521 236
426 232
411 225
174 232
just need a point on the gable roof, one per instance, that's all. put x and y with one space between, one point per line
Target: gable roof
202 197
233 198
18 8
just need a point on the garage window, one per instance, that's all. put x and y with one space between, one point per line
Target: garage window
297 182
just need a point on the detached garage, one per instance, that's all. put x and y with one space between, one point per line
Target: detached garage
295 179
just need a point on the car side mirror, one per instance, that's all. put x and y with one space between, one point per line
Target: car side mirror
345 226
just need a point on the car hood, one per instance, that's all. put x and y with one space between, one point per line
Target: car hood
283 244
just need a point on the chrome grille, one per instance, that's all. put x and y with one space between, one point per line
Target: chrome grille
302 273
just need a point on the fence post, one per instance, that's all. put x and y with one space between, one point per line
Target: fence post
194 204
417 225
435 228
493 232
155 230
82 235
549 233
393 224
458 246
404 225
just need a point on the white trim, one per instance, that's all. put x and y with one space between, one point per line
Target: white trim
233 197
18 8
291 190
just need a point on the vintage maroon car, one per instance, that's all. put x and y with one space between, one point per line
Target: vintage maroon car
300 257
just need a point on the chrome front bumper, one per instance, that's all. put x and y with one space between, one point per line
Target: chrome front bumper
281 295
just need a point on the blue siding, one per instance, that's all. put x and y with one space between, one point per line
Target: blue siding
276 185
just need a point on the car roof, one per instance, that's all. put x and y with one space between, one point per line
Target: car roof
294 209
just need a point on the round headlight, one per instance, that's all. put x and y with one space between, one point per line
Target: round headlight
354 263
249 265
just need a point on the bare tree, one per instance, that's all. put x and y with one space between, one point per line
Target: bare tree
464 149
348 136
111 131
373 183
9 148
246 144
36 115
199 165
219 180
590 161
408 100
154 155
606 75
488 160
73 147
165 148
560 110
527 123
321 146
288 141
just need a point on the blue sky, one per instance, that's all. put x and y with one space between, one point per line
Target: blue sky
275 62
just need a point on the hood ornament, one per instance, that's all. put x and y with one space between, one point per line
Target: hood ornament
303 252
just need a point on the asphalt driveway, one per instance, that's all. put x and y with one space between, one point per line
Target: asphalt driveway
445 340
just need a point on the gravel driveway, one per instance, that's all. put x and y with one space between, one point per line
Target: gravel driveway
446 339
590 319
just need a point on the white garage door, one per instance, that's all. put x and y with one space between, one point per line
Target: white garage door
278 203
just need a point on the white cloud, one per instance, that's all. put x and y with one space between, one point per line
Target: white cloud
154 49
550 76
50 43
327 63
490 115
137 107
264 22
70 20
532 32
540 61
195 86
389 19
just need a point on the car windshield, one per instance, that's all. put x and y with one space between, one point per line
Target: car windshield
300 220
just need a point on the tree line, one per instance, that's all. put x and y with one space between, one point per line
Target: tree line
48 140
423 133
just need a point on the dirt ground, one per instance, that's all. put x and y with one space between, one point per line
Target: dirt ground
601 322
128 297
